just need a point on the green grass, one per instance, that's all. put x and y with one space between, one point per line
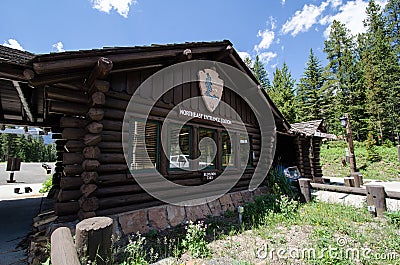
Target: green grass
386 169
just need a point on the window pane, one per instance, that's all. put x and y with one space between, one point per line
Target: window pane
246 157
228 159
179 139
207 151
143 137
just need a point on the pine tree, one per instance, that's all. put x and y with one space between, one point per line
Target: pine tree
282 93
381 71
344 80
310 92
260 73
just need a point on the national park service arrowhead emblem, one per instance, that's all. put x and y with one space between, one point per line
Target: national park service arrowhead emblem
211 88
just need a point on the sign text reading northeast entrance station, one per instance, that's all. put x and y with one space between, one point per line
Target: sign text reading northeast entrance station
195 114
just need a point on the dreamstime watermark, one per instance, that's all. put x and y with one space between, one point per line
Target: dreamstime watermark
341 251
147 95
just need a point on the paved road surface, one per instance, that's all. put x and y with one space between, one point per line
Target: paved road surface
18 209
16 223
30 173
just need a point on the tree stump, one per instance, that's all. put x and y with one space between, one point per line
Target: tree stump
93 239
63 250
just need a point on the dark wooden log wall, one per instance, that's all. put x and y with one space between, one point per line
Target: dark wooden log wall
308 152
96 180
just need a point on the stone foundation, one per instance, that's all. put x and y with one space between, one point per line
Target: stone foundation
168 216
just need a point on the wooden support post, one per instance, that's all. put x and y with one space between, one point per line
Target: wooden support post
349 182
305 190
63 250
376 200
358 180
94 236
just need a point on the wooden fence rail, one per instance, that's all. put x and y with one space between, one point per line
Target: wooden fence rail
376 194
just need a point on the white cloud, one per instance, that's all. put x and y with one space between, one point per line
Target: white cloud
283 2
244 55
303 20
352 14
59 46
267 37
266 57
122 6
11 43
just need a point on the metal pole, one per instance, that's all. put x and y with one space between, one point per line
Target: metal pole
353 167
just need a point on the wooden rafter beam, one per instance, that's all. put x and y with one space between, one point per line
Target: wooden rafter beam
24 103
100 71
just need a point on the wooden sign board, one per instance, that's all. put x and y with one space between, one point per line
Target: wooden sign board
13 164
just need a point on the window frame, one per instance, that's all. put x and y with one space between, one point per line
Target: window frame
157 155
175 169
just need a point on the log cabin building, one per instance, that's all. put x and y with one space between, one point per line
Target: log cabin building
81 97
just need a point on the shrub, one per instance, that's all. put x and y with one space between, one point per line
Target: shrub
394 218
372 152
195 240
46 186
135 252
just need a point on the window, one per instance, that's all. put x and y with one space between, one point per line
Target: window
179 147
246 152
207 150
228 157
143 137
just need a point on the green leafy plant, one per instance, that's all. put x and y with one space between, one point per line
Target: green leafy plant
135 252
46 186
195 240
372 152
394 218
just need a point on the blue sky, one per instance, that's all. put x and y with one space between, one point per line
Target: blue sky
278 30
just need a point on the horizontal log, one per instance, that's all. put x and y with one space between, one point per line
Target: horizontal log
69 195
66 208
89 204
110 146
74 146
89 177
101 69
107 168
98 99
73 122
73 133
66 95
113 179
112 125
95 114
67 108
94 127
91 152
63 65
112 158
116 201
112 136
92 139
90 165
72 170
114 114
72 158
88 189
68 183
128 208
118 190
101 85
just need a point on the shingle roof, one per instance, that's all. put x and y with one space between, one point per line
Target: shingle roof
308 128
10 55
